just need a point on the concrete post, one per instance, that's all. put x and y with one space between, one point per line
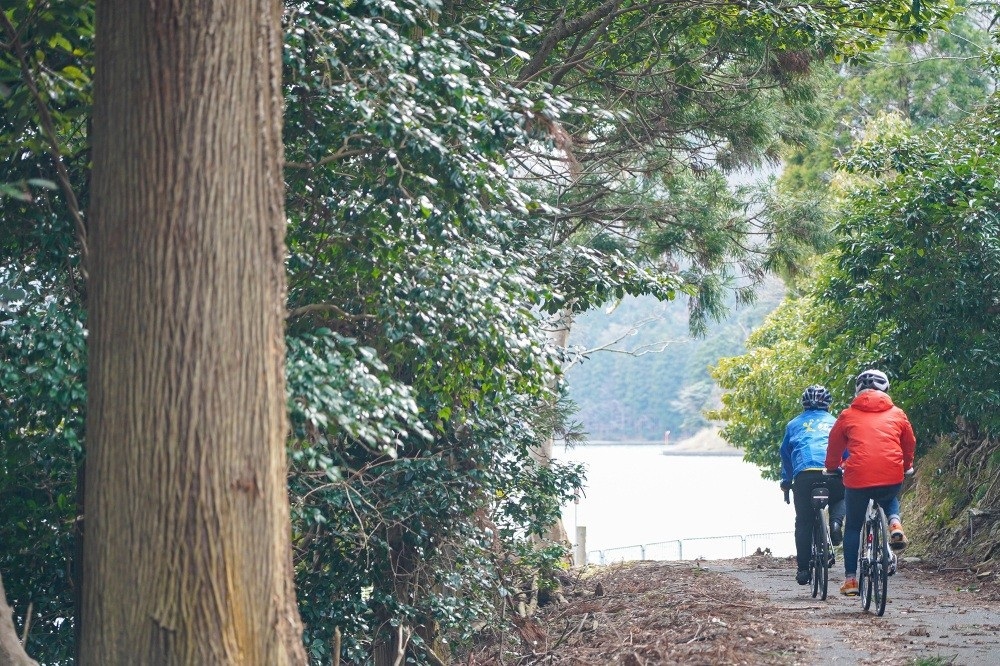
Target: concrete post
580 554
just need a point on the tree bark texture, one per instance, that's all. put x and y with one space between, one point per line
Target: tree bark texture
187 556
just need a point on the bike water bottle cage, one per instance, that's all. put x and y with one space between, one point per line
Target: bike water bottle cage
820 497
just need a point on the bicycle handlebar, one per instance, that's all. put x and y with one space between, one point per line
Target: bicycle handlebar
836 472
825 471
840 472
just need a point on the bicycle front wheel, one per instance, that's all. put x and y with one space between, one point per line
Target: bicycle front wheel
881 555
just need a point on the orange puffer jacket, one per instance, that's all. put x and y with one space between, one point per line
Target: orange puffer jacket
878 438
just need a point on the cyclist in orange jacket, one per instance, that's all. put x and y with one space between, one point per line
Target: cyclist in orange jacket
879 440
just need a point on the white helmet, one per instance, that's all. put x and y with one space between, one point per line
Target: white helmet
871 379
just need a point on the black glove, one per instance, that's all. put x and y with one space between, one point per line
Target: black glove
786 486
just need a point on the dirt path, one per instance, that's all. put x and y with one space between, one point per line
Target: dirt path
751 611
928 615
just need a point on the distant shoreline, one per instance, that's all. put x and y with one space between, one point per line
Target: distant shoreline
734 452
668 449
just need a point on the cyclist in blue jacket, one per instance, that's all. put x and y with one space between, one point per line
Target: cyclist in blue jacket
803 459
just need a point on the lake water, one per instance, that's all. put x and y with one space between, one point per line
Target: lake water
637 495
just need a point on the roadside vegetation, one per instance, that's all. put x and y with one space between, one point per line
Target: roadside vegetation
909 286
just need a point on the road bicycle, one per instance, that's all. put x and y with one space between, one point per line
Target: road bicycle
876 561
821 557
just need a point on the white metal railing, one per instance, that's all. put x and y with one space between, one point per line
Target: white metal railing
702 548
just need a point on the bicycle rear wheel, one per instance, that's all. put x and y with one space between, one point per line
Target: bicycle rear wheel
880 570
820 557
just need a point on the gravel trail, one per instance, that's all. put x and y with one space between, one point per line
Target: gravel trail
940 617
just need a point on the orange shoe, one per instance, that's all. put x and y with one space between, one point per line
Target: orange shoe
897 538
850 587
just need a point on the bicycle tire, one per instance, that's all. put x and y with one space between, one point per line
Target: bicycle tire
814 572
813 558
880 551
814 569
821 531
864 564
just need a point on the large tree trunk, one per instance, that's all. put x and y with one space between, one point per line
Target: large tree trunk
187 557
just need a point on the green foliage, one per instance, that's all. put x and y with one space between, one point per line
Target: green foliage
932 661
42 402
911 289
691 93
331 378
45 62
907 288
939 81
44 110
412 475
917 270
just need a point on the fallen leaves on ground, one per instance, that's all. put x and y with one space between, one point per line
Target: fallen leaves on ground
646 613
656 613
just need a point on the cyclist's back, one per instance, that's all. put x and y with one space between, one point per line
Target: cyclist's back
879 441
803 451
878 436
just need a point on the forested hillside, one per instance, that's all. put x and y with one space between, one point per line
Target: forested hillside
643 374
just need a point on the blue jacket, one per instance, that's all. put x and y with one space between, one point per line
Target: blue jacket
805 443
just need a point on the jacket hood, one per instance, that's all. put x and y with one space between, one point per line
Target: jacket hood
871 400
